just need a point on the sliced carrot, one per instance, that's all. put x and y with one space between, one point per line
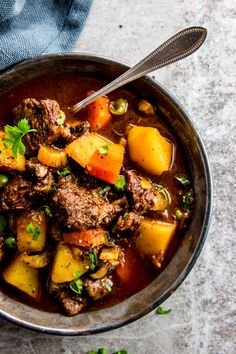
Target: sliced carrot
106 166
98 113
86 238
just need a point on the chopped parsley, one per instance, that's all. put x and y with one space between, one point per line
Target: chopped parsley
120 184
93 260
47 210
61 120
30 228
161 311
76 275
105 190
14 135
182 179
64 172
10 242
77 286
105 351
187 200
103 149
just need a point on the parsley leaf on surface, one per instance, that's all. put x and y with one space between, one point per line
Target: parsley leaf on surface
14 135
120 184
77 286
93 260
105 190
64 172
33 230
161 311
182 179
103 149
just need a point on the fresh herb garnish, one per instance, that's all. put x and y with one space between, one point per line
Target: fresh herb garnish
161 311
103 149
3 223
47 210
30 228
161 190
64 172
102 351
14 137
93 260
125 215
76 275
107 285
105 351
53 189
188 200
105 190
10 242
182 179
61 120
33 230
77 286
120 184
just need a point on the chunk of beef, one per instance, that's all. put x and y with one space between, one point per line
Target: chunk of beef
98 288
15 195
42 115
35 168
70 303
142 194
130 222
76 207
43 179
78 130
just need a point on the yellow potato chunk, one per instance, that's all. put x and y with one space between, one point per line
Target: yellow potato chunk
83 148
149 149
65 265
40 260
7 161
155 236
52 157
23 277
31 238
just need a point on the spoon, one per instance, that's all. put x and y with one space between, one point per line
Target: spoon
181 45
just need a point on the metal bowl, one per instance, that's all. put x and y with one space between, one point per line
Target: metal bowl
187 253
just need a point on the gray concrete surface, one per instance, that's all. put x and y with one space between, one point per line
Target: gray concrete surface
203 314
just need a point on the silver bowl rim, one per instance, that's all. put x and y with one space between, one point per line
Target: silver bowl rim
209 188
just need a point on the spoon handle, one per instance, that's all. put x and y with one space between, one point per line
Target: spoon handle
176 48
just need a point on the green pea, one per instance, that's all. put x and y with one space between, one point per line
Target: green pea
10 242
119 106
3 223
3 180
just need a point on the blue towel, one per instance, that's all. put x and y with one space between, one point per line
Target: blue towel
29 28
